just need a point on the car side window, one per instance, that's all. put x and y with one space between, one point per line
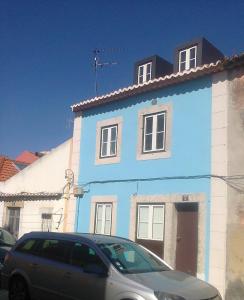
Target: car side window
57 250
83 256
28 246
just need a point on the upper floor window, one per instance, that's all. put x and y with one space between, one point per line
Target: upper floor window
154 135
188 58
154 132
109 141
145 72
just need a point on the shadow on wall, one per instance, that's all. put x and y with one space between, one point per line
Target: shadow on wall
235 290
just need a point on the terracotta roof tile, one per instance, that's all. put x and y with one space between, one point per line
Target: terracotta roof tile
26 157
7 168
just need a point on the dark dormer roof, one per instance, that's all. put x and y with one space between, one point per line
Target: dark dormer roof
206 52
160 67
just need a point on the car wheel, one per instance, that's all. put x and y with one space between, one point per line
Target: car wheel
18 289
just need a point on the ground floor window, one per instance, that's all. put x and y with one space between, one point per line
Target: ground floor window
150 222
47 222
103 219
13 216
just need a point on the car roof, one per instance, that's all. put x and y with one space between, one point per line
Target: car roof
95 238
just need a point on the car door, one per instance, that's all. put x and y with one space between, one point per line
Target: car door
48 269
81 279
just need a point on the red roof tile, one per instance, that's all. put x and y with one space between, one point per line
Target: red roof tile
7 168
26 157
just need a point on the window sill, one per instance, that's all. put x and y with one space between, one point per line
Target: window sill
153 155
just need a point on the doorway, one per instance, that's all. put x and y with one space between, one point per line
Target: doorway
187 237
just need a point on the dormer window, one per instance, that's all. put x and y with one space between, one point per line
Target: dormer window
145 72
188 59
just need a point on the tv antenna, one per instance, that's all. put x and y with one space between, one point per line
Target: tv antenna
98 65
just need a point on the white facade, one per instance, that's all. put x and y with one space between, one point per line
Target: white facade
39 192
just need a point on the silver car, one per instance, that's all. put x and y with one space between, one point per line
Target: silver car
45 265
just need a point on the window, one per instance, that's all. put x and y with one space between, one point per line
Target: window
145 72
150 222
154 132
47 222
57 250
103 218
188 58
29 246
6 238
13 220
129 258
103 214
109 141
83 256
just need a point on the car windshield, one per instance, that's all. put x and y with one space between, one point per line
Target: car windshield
130 258
6 238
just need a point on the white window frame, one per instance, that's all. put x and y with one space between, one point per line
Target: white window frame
104 206
188 59
150 221
144 73
99 160
108 152
154 132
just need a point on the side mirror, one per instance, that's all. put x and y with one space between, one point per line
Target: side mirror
96 269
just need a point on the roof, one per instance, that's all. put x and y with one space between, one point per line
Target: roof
7 168
95 238
29 196
26 157
157 83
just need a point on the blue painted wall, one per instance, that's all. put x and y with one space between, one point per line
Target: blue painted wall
190 151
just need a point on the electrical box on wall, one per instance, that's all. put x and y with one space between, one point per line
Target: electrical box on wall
78 191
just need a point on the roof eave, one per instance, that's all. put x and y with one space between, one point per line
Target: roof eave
152 85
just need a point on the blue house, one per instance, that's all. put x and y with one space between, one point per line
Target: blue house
147 159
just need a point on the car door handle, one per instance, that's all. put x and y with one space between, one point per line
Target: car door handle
67 275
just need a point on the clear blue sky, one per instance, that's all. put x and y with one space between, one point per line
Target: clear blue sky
46 55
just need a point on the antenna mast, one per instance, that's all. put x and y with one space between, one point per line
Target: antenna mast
98 64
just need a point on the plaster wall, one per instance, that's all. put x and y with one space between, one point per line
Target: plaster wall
235 222
189 156
70 205
47 174
220 96
30 214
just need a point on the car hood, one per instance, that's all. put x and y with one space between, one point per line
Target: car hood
176 283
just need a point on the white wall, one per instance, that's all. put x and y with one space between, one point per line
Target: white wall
47 175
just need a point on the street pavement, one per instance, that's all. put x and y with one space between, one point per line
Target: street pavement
3 295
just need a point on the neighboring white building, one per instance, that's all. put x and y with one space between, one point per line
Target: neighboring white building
36 198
